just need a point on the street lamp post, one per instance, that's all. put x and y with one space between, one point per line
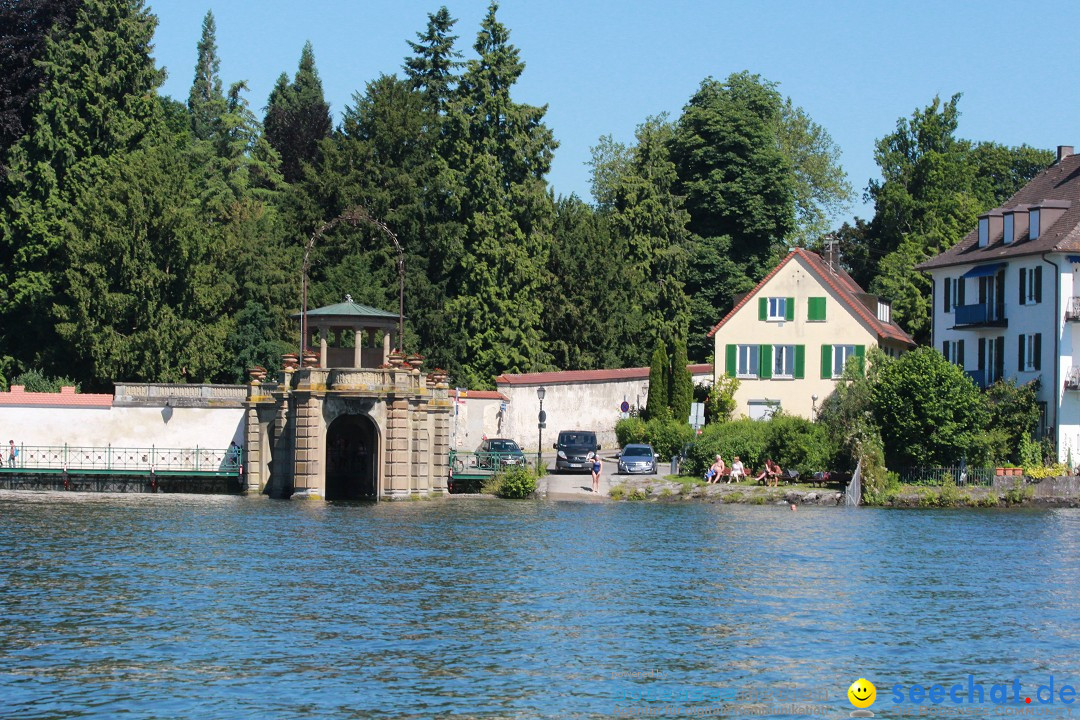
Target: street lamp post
541 422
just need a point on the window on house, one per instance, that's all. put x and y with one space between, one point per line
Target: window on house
992 359
884 312
777 308
747 366
1030 285
1033 223
953 351
841 353
953 293
1029 350
815 309
1008 227
783 361
984 231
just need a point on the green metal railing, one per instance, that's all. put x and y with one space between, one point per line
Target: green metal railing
109 459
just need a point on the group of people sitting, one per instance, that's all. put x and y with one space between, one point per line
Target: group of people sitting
771 474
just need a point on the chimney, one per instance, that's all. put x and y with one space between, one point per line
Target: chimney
1064 151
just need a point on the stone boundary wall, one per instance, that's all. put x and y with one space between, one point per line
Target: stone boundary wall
1052 487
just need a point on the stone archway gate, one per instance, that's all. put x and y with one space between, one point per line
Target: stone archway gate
287 423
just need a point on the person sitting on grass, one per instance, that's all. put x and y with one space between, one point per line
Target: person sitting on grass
775 475
738 472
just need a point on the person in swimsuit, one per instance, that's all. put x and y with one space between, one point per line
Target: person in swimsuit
597 466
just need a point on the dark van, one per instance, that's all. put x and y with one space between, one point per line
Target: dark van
575 450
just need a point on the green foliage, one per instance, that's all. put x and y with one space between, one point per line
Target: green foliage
879 487
298 117
933 187
739 188
432 69
1012 420
795 443
630 430
1019 493
931 408
682 383
618 492
37 381
848 413
254 341
720 404
517 482
668 437
498 151
656 406
97 101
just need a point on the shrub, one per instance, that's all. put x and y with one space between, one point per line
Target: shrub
793 442
1013 411
512 483
1041 472
720 403
630 430
931 409
668 437
617 492
37 381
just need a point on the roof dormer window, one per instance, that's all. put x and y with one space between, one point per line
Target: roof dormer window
1008 228
984 231
1033 224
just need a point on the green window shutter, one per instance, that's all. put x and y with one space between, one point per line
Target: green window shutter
815 309
860 355
765 362
730 360
763 309
826 362
800 361
789 309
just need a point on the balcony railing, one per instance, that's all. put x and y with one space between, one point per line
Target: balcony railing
1072 310
978 377
980 315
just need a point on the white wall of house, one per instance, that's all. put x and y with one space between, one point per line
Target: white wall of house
1045 318
474 419
745 328
127 427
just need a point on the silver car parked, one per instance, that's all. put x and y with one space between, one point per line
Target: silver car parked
637 459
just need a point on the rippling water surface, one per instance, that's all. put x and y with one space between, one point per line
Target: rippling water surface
189 606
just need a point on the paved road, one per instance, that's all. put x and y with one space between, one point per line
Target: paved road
579 485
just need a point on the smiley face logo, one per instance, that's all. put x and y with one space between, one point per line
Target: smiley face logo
862 693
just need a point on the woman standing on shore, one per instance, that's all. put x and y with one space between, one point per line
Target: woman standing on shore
597 467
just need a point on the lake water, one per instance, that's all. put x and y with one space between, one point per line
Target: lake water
167 606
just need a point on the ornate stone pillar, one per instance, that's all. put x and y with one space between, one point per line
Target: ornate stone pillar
421 439
308 445
323 355
397 444
386 347
439 413
358 347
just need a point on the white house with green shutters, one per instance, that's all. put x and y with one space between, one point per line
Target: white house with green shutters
789 339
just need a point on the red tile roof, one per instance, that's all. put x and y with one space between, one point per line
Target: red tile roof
562 377
1060 185
841 283
481 395
67 397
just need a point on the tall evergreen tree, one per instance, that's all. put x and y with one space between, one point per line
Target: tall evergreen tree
656 405
24 27
499 152
98 100
682 383
433 68
206 102
298 117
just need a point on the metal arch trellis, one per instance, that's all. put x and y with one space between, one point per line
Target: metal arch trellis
354 215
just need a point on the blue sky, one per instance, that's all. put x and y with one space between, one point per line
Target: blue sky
602 67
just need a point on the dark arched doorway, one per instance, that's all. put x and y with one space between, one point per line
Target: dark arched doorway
351 449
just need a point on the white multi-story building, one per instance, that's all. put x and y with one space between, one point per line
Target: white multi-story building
1007 297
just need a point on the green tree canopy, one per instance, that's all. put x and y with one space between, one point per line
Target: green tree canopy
933 412
298 117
